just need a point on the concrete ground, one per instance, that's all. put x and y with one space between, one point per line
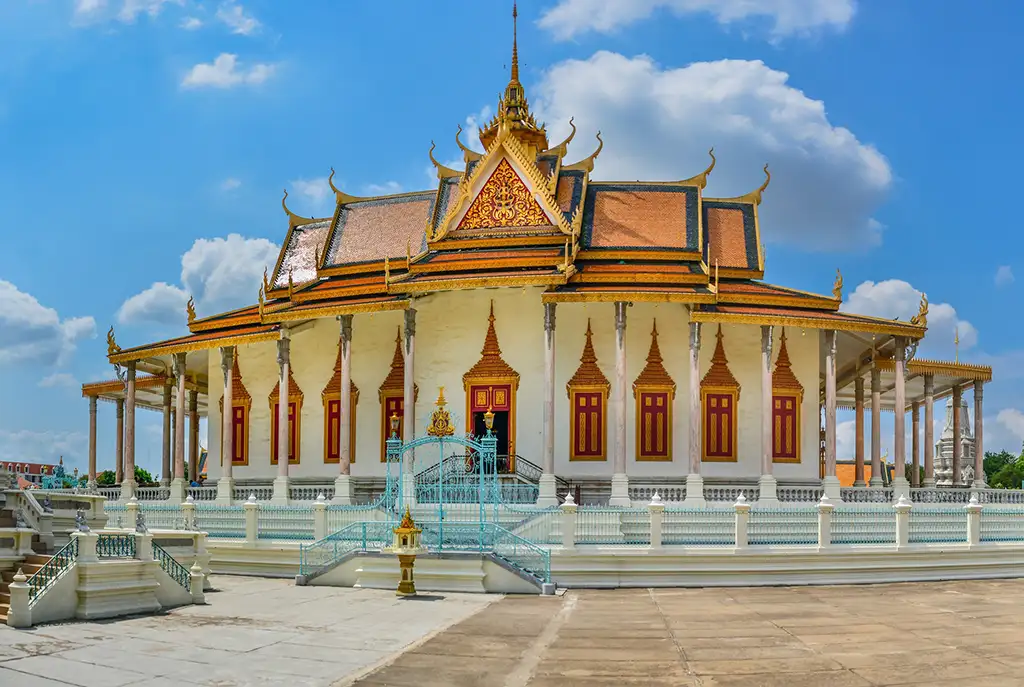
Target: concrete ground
269 632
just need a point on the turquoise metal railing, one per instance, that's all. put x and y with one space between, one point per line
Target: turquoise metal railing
161 516
221 522
1002 525
116 514
863 525
339 517
699 527
608 526
522 553
173 568
51 571
285 522
358 536
115 546
782 526
937 525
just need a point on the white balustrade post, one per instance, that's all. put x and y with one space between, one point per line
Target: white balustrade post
742 520
319 518
196 579
657 511
131 513
569 523
143 546
23 541
973 509
825 508
86 546
252 513
20 613
188 513
902 507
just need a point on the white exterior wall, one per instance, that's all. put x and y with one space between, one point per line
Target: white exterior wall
450 330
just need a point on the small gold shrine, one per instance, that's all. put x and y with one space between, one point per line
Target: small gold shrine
406 545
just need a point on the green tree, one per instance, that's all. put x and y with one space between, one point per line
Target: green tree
142 477
105 478
1010 476
994 462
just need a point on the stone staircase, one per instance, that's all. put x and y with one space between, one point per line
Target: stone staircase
32 564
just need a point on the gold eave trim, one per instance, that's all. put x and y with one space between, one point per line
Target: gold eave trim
908 330
346 292
331 310
629 296
787 301
638 254
484 264
585 277
140 353
736 272
241 321
449 243
980 373
475 283
370 267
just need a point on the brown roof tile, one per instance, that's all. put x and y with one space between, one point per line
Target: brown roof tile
638 219
301 252
381 228
727 240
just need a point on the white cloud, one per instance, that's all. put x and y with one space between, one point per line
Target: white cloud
133 8
191 23
59 379
42 447
570 18
317 193
470 138
896 298
1013 421
230 184
86 8
225 72
220 274
235 17
1004 275
658 124
385 189
846 440
33 333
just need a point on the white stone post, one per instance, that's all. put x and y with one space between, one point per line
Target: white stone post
830 482
546 496
143 546
742 507
319 518
694 481
20 613
902 507
92 442
188 513
86 546
767 493
876 427
343 482
128 483
196 579
252 514
929 429
281 482
179 487
226 483
408 465
979 433
825 508
620 482
657 512
131 513
569 523
900 485
973 509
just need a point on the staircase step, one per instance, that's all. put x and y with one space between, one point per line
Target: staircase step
37 559
7 576
5 598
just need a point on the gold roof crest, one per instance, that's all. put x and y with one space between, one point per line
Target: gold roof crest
441 420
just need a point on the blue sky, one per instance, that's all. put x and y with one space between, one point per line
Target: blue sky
144 145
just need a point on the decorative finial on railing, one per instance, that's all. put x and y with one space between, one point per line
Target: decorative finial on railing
569 501
741 499
656 499
189 499
320 498
140 523
252 498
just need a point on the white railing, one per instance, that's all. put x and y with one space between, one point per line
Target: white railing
310 492
203 493
799 494
882 495
110 493
261 492
152 493
939 495
1001 496
730 493
668 492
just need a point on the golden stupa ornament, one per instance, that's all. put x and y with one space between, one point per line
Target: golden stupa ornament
837 287
441 420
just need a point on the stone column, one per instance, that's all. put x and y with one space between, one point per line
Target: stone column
546 496
409 408
830 482
901 487
876 426
957 440
92 442
915 444
119 444
979 450
165 464
179 487
929 429
128 483
694 481
767 483
342 483
283 433
858 387
620 482
226 483
193 436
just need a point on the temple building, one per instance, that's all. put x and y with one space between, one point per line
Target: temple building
622 332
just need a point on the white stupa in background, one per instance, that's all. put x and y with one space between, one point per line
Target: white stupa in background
944 448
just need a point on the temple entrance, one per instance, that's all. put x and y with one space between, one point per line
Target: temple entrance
500 431
491 385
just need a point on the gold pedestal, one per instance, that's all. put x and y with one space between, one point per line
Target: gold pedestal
406 586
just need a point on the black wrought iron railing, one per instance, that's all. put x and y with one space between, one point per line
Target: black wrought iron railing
115 546
51 571
177 572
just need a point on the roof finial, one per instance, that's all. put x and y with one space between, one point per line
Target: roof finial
956 342
837 286
515 46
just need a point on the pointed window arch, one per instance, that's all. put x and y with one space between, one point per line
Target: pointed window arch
654 392
787 395
294 420
588 406
392 396
719 398
241 404
331 396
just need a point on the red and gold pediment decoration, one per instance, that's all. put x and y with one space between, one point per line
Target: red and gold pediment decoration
241 403
719 397
504 201
654 391
588 404
331 397
787 395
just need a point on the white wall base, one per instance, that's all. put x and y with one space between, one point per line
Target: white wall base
833 490
695 492
280 496
225 490
546 494
112 588
342 490
620 491
466 573
767 491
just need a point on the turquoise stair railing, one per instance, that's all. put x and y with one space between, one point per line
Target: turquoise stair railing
175 570
321 555
52 570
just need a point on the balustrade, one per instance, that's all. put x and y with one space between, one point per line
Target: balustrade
799 494
782 526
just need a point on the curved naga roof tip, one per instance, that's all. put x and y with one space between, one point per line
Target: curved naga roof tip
701 179
755 195
293 219
339 195
442 171
468 153
587 163
563 147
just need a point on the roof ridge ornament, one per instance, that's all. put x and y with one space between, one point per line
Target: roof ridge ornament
921 318
701 180
587 163
112 347
266 284
562 148
442 171
837 287
468 154
190 310
340 196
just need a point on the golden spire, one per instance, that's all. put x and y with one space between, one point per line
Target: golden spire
654 372
515 43
783 377
588 374
956 342
491 365
719 375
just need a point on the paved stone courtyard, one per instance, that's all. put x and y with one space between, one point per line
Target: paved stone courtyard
268 632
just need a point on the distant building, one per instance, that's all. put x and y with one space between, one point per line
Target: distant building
30 472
